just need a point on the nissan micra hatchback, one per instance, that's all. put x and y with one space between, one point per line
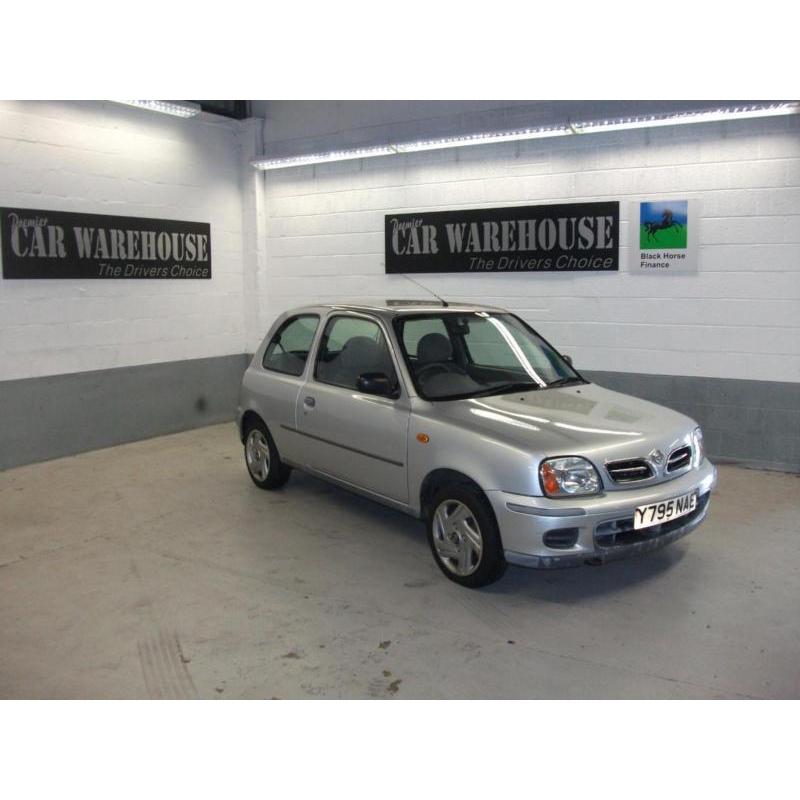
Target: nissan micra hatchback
465 417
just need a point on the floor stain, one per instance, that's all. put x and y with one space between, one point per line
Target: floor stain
383 688
472 650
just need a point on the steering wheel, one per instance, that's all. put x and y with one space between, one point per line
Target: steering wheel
436 367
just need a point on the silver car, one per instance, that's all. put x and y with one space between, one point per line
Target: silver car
467 418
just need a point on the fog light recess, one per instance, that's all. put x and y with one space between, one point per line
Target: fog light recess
561 538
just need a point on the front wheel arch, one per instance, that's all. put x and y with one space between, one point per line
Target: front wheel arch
478 524
442 477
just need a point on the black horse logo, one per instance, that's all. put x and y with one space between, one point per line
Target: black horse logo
666 223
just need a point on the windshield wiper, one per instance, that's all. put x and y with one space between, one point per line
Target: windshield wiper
505 388
565 382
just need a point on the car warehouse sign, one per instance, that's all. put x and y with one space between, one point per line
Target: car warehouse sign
58 244
573 237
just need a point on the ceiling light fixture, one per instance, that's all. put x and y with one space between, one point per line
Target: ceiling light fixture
721 114
175 107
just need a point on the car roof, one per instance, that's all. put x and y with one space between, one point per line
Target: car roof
393 308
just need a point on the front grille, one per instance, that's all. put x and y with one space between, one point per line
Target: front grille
620 532
679 458
629 470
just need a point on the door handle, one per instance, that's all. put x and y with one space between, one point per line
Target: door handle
309 402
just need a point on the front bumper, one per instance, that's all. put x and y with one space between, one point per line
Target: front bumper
601 526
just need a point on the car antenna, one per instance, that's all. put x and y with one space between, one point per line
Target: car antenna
444 302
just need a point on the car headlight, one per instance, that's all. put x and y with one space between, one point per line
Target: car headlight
699 451
568 477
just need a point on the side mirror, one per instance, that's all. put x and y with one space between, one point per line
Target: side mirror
568 359
375 383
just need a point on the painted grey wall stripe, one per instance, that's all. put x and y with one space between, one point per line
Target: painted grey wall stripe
753 422
59 415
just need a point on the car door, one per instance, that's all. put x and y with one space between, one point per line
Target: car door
355 437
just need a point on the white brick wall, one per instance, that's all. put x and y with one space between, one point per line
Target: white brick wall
312 234
738 317
109 159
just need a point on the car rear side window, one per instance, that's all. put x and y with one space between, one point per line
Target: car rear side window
288 350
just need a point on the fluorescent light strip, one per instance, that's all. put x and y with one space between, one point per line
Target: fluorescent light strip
165 107
600 126
322 158
484 138
411 147
686 118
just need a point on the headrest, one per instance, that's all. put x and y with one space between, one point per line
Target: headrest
434 347
361 351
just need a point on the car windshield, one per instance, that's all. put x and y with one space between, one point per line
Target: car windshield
454 355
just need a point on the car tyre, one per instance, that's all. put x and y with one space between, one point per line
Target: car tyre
264 465
464 537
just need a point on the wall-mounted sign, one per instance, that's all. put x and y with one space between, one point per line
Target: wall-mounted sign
663 236
569 237
60 244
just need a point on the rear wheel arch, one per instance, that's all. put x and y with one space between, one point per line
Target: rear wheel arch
249 418
261 455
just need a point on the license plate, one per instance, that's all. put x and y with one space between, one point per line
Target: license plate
656 513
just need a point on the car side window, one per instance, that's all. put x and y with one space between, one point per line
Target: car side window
491 343
486 345
415 329
351 347
288 349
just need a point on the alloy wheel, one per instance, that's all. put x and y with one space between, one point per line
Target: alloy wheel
257 454
457 537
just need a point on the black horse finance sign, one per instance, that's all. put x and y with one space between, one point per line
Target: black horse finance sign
568 237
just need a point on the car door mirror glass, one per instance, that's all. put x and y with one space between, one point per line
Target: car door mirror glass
375 383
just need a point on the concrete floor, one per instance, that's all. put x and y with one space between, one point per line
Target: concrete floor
157 569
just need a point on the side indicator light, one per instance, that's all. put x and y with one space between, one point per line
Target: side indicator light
549 480
423 438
